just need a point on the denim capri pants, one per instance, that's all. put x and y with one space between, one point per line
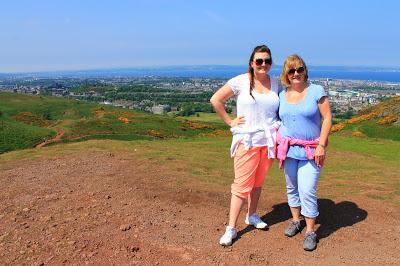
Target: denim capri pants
301 185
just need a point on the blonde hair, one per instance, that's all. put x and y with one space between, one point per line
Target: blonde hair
292 61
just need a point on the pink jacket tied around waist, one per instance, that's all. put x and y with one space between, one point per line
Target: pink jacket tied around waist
284 143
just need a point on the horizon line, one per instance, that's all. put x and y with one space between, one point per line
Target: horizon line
180 65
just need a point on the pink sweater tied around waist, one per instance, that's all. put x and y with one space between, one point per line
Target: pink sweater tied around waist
284 143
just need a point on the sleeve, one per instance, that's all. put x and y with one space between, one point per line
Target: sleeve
319 93
235 84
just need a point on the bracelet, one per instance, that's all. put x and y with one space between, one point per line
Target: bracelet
322 145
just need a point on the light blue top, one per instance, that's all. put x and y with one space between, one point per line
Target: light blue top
301 120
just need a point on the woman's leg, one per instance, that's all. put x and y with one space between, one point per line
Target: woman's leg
308 180
252 201
295 213
245 164
310 222
262 170
236 205
290 169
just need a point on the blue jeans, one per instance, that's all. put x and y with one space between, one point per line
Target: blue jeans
301 185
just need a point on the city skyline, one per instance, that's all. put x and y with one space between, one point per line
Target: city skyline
72 35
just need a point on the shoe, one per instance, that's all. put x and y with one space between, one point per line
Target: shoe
310 241
293 228
256 221
229 235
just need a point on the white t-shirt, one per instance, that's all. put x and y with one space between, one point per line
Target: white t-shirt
260 114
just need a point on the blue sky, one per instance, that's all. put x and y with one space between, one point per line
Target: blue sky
41 35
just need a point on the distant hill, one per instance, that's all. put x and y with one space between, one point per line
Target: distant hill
378 121
26 121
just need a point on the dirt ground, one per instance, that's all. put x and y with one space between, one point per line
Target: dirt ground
101 208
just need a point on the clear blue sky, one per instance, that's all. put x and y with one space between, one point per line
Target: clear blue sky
38 35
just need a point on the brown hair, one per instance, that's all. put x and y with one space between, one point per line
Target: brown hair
258 49
292 61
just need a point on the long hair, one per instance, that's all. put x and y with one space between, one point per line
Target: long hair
258 49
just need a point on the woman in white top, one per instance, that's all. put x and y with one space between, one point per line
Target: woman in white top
254 135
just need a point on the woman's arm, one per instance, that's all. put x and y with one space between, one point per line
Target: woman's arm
325 111
218 102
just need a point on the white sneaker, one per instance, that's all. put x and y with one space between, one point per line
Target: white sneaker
256 221
230 234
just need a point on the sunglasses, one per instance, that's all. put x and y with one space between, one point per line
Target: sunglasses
260 61
299 70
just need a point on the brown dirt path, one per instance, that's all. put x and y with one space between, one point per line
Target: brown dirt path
99 208
57 138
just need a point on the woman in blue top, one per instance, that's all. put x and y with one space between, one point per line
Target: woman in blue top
306 122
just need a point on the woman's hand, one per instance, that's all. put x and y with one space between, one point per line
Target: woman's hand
237 121
319 157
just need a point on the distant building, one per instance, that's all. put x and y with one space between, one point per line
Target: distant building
160 109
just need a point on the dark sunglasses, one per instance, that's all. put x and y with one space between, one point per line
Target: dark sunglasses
298 70
260 61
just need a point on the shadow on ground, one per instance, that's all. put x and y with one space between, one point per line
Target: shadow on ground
333 216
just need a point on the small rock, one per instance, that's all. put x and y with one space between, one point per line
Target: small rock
133 249
108 197
26 209
125 227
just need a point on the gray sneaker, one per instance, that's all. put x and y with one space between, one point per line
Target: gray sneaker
310 241
293 228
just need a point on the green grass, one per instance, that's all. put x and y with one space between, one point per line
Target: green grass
206 117
382 149
14 135
83 120
373 130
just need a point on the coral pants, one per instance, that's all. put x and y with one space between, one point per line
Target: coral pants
251 167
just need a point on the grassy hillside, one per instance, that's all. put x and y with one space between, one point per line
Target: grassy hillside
28 120
381 121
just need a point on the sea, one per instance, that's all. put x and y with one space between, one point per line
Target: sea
228 71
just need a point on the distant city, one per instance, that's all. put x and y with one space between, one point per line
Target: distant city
161 94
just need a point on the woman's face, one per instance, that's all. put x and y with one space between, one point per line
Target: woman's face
261 62
296 74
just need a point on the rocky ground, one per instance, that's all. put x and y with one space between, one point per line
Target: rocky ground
105 208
